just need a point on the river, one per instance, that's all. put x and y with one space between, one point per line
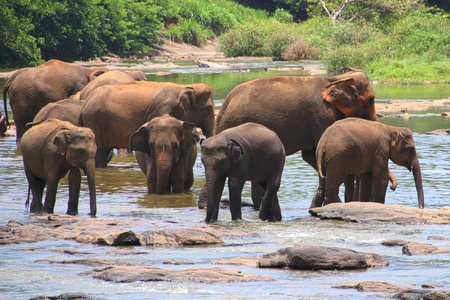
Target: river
121 193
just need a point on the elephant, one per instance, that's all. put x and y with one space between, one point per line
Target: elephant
30 89
115 112
65 110
298 109
166 151
3 126
249 151
50 150
357 146
110 77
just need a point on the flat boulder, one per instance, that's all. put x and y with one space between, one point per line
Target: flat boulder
417 294
309 257
367 212
416 248
180 236
207 275
374 286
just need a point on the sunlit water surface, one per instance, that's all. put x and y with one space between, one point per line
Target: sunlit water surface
121 191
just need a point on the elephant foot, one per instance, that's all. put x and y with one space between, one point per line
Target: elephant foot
317 200
266 214
72 212
36 209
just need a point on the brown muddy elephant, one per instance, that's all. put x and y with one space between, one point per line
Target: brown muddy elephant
30 89
298 109
356 146
50 150
115 112
245 152
166 151
65 110
110 77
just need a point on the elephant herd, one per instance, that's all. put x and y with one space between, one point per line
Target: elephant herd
70 117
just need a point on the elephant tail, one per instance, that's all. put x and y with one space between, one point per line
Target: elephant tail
27 203
320 154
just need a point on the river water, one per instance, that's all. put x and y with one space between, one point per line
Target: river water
121 193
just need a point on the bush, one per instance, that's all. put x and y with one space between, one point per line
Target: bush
300 50
343 57
282 16
190 32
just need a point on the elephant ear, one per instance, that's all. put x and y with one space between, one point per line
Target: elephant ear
61 140
190 135
235 151
342 95
95 74
187 97
139 140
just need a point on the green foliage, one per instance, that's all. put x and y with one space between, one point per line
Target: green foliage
282 16
190 32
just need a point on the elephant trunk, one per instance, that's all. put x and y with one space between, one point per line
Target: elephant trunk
213 194
89 170
163 169
207 124
418 181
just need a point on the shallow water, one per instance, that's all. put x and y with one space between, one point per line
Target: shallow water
122 194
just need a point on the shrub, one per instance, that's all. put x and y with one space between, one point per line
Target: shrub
300 50
343 57
190 32
282 16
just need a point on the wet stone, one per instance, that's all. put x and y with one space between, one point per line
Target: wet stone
374 286
413 294
416 248
369 212
308 257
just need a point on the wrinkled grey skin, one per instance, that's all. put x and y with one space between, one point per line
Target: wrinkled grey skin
30 89
65 110
298 109
110 77
356 146
115 112
166 151
246 152
50 150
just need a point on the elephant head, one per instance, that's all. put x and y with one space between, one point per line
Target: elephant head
164 139
402 152
137 75
352 95
78 147
198 107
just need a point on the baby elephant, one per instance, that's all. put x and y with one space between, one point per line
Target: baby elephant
357 146
246 152
166 151
50 150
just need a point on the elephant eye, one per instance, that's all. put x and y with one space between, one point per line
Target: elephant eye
80 151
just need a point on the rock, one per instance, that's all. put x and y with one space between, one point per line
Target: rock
439 132
98 262
124 238
67 296
413 294
239 261
206 275
395 242
210 64
437 237
431 285
416 248
363 212
308 257
285 69
374 286
181 236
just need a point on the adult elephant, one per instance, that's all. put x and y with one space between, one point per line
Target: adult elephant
30 89
298 109
66 110
166 151
110 77
115 112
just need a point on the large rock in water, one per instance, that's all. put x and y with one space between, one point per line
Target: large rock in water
308 257
375 212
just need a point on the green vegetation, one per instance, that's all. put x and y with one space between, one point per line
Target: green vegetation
403 40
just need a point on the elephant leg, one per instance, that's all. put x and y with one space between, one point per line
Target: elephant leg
310 158
37 186
74 191
201 202
350 188
365 187
380 182
102 156
258 191
270 206
235 187
334 179
50 196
